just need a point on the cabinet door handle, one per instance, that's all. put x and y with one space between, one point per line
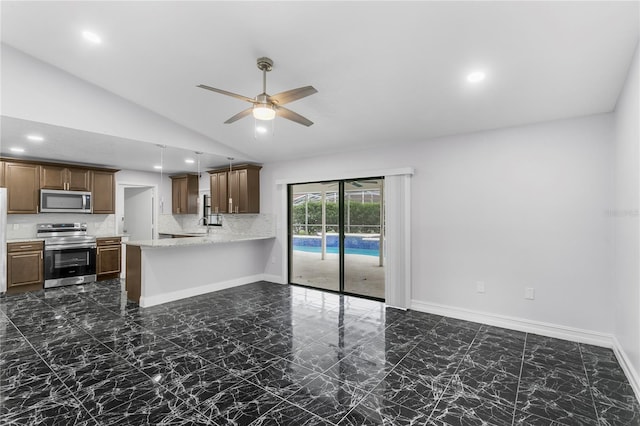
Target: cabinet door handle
25 247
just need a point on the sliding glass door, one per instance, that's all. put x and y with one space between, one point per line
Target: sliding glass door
364 237
336 236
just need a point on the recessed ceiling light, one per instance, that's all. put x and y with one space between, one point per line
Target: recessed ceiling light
16 149
476 76
189 161
261 129
92 37
35 138
157 167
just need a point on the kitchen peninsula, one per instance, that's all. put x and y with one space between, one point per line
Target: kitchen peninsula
164 270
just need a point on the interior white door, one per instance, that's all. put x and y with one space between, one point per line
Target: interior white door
138 213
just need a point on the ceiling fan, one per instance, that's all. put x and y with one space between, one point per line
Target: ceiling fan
266 107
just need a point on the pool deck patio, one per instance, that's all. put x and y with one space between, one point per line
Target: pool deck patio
363 275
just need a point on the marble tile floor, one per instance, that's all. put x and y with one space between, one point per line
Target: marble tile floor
269 354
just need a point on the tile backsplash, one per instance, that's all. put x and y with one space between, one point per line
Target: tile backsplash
24 225
237 224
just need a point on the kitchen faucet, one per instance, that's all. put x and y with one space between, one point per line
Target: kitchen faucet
203 219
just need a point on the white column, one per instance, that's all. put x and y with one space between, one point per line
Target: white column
323 242
398 242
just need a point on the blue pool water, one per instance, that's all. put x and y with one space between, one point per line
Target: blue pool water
366 252
353 244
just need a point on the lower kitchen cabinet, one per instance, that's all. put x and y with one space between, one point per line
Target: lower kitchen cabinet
108 258
25 270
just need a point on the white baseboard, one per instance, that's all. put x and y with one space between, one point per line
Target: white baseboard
273 279
627 367
541 328
519 324
146 302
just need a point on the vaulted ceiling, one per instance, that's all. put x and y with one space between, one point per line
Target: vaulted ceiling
386 72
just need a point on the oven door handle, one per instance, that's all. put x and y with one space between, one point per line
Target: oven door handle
68 246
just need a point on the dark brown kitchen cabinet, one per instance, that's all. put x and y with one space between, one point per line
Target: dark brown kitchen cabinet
2 184
219 200
184 194
24 267
104 192
108 258
236 190
22 182
65 178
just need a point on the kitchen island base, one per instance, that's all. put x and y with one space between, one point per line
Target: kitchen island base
161 274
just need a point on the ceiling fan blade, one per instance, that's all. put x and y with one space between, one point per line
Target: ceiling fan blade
224 92
292 95
239 115
293 116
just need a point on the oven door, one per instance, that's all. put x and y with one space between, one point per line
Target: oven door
69 265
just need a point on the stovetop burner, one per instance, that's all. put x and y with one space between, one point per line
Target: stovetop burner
64 234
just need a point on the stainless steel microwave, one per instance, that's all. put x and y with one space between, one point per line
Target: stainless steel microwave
56 201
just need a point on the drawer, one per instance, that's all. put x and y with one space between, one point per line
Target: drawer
108 241
26 246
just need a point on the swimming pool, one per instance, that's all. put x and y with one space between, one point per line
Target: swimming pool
334 250
368 245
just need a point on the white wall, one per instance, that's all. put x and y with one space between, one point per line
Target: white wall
515 208
625 217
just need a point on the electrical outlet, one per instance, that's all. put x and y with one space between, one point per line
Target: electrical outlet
480 286
529 293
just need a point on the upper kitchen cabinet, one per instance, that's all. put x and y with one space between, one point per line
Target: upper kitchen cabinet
2 184
22 181
184 194
65 178
241 194
219 200
104 192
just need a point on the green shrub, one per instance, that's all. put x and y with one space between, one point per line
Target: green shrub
364 218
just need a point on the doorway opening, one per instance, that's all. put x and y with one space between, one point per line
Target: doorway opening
138 217
336 236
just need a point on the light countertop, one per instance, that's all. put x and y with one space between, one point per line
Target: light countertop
24 240
196 241
33 239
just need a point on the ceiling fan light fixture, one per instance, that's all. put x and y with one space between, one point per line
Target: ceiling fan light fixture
92 37
264 112
476 76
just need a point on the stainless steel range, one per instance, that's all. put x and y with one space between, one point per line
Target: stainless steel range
69 254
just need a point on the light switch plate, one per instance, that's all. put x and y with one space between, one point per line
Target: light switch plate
529 293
